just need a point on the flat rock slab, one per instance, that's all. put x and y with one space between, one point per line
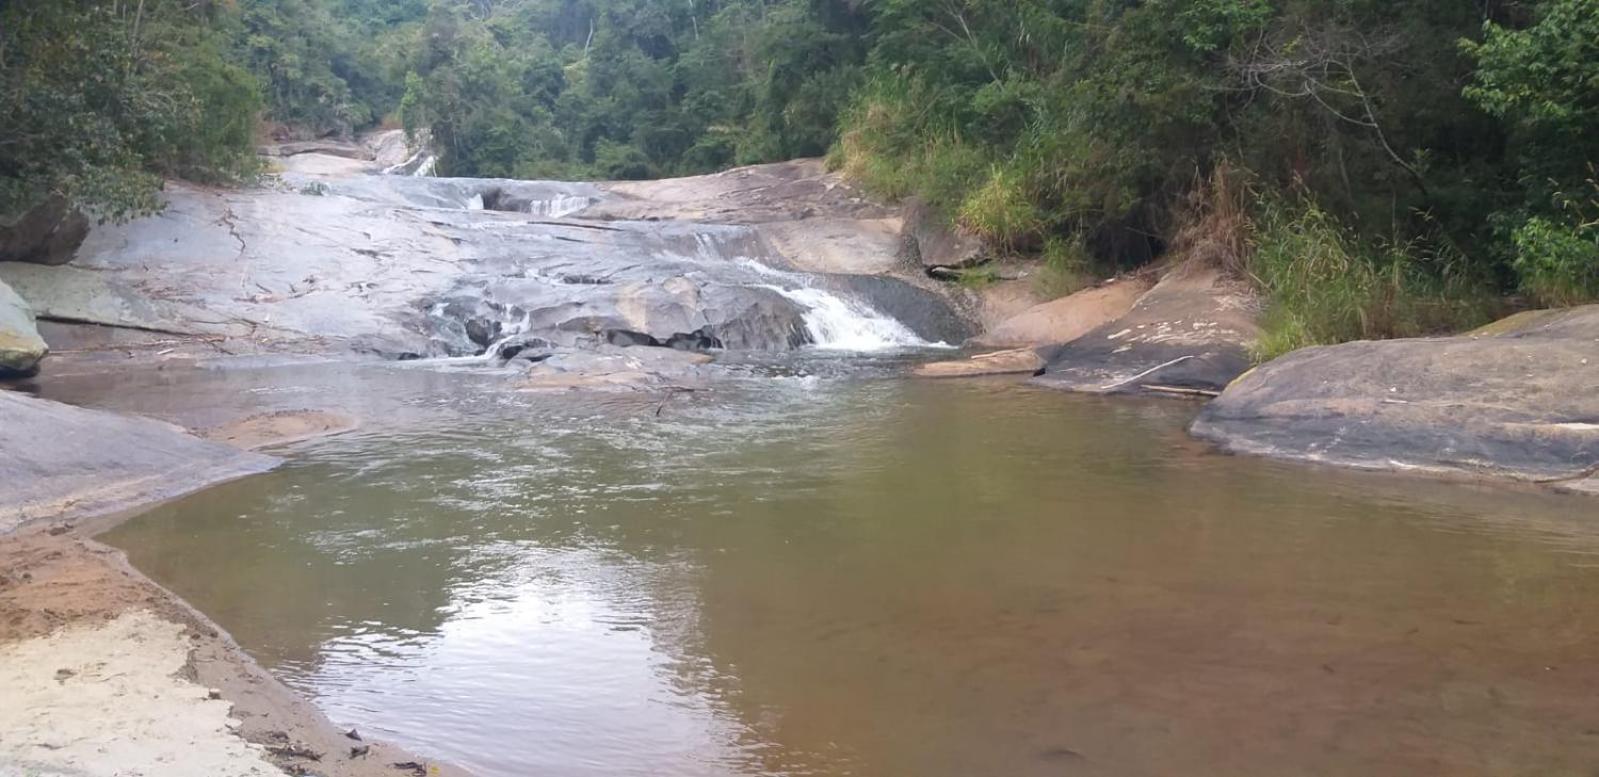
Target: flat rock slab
1019 361
1191 332
1063 320
1518 400
64 462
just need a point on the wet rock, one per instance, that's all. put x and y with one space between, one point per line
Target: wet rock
1514 400
47 233
1019 361
65 462
923 312
21 347
415 267
1063 320
1191 332
612 368
930 242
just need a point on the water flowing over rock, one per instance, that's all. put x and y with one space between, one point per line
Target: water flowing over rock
1514 400
21 347
412 266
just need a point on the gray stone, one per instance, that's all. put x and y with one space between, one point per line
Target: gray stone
1191 332
410 267
1516 400
63 462
21 347
928 241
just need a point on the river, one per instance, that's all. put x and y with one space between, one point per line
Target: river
823 568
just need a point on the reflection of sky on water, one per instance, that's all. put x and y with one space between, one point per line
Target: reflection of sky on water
820 574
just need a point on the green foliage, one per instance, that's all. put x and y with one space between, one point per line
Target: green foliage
1543 80
105 98
630 88
1324 284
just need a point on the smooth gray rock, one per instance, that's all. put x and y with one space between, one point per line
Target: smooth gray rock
1191 332
927 241
63 462
409 267
1516 400
21 347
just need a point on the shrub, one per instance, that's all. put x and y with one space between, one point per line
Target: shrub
1324 285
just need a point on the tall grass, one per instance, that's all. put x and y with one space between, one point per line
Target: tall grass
1324 285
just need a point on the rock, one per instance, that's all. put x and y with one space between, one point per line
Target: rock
47 233
1513 400
759 194
611 368
410 267
21 347
1066 319
821 245
282 427
326 147
927 241
1019 361
1191 332
63 462
923 312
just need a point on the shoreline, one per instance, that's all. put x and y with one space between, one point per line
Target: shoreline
61 585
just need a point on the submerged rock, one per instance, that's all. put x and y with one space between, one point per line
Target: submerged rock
1191 332
63 462
1514 400
21 347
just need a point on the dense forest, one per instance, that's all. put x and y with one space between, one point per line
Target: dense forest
1376 167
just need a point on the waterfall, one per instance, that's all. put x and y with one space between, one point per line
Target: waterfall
839 324
558 206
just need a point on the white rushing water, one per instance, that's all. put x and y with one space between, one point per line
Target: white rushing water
559 205
839 324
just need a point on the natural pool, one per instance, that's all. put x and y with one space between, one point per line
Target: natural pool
840 572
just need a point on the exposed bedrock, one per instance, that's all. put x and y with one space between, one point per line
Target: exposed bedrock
64 462
407 266
1516 399
1190 333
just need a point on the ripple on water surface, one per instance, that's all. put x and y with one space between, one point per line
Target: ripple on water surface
853 576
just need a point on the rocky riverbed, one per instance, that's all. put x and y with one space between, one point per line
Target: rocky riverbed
650 288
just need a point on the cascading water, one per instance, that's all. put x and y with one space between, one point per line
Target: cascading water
838 324
558 206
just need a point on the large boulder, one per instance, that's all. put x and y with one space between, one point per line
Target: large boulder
48 233
1190 333
930 242
1516 400
1063 320
21 347
60 461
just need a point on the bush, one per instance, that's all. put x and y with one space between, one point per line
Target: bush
1558 263
1324 285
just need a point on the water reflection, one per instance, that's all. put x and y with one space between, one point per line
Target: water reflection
853 576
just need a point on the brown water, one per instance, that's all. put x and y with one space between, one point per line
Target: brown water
849 576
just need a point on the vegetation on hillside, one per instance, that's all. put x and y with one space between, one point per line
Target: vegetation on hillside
1387 165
